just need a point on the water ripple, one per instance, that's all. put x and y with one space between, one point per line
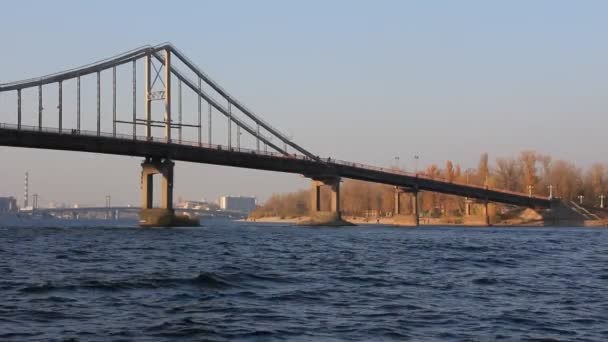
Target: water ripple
230 281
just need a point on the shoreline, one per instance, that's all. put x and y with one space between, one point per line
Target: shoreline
425 222
389 221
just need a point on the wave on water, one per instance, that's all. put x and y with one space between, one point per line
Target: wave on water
208 280
485 281
282 283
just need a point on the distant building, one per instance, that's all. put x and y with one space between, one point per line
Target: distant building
238 203
197 205
8 204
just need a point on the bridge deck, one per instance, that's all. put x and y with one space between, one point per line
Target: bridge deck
128 145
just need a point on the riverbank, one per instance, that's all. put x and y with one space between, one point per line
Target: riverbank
393 221
275 219
408 221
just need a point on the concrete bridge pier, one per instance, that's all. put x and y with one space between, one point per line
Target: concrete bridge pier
150 216
165 215
398 216
319 217
334 185
467 206
398 192
486 213
415 207
151 167
481 217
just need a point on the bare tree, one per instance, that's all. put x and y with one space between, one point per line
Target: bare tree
507 174
528 166
483 170
566 178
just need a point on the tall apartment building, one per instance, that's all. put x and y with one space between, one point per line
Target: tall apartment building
238 203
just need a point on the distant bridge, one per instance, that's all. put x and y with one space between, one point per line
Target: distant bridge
112 211
159 152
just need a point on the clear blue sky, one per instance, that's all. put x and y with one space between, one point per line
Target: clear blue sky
357 80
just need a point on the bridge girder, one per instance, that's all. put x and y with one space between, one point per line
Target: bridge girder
251 159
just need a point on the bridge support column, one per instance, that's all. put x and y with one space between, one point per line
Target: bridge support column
415 207
467 207
151 167
147 189
167 186
315 196
165 215
486 213
335 197
397 201
319 217
399 217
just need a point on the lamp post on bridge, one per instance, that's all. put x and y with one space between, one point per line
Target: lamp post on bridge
416 157
530 190
551 191
602 201
580 199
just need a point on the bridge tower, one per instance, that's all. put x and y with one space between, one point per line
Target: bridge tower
165 215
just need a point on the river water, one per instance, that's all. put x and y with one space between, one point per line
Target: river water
108 280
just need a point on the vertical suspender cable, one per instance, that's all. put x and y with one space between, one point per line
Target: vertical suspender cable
60 106
200 104
114 101
40 107
18 108
229 125
258 137
98 104
78 104
209 124
179 109
134 99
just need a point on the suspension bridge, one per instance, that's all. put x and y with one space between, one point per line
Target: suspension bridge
162 132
